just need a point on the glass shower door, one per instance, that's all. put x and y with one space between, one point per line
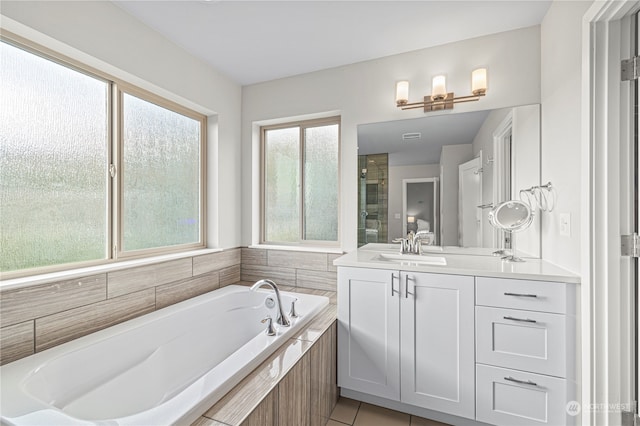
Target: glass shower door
372 198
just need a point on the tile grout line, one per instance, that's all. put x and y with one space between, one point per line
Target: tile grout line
337 421
357 411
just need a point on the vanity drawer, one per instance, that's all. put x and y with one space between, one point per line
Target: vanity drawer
524 340
514 398
544 296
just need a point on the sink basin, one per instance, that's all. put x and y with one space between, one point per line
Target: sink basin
412 259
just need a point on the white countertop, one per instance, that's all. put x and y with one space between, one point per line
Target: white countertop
460 261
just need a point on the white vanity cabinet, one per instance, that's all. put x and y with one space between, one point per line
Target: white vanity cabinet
525 351
369 331
436 342
408 336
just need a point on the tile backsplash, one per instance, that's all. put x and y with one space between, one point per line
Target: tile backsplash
41 316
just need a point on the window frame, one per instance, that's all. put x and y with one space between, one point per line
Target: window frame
118 162
302 124
113 146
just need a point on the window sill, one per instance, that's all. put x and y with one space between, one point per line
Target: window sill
69 274
316 249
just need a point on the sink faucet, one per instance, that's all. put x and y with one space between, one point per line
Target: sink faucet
411 244
281 318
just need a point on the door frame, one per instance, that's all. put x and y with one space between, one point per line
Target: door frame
435 226
603 107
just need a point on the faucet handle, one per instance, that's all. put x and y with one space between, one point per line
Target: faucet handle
293 313
271 331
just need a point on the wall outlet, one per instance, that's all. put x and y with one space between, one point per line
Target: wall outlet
396 216
565 224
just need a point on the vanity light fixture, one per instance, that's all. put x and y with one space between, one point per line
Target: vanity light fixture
440 99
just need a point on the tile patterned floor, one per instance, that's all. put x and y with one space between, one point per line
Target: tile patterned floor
356 413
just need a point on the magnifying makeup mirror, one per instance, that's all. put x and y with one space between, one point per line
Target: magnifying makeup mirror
511 216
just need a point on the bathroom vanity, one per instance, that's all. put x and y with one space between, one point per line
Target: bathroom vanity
454 334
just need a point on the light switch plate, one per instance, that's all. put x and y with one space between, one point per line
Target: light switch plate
396 216
565 224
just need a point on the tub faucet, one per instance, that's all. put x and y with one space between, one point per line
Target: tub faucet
281 318
270 331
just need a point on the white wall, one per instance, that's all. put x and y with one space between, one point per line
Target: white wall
364 93
561 61
101 35
525 157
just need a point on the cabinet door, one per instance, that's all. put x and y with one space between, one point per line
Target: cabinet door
368 331
437 335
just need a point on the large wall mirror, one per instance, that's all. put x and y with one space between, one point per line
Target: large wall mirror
443 174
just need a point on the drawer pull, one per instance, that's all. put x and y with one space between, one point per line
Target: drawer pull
522 382
521 295
520 319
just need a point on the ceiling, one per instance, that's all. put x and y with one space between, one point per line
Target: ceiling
436 131
255 41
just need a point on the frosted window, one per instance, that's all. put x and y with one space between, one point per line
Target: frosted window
282 185
53 181
161 173
301 183
321 183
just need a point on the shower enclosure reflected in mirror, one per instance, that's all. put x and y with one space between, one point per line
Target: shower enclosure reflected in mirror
479 159
372 198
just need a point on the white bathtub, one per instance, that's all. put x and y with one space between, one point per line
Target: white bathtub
165 367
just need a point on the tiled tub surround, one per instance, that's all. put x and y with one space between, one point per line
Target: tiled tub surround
293 268
37 317
42 316
76 307
170 365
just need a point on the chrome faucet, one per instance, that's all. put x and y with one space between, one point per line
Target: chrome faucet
281 318
270 331
411 244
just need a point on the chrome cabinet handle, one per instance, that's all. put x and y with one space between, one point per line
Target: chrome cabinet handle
406 287
520 319
521 295
522 382
393 290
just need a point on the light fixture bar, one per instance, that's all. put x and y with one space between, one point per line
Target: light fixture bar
440 99
428 105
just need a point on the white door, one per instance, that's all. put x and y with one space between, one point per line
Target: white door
437 342
470 200
629 209
369 331
632 266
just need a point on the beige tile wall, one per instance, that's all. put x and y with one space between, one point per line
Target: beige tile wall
41 316
292 268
